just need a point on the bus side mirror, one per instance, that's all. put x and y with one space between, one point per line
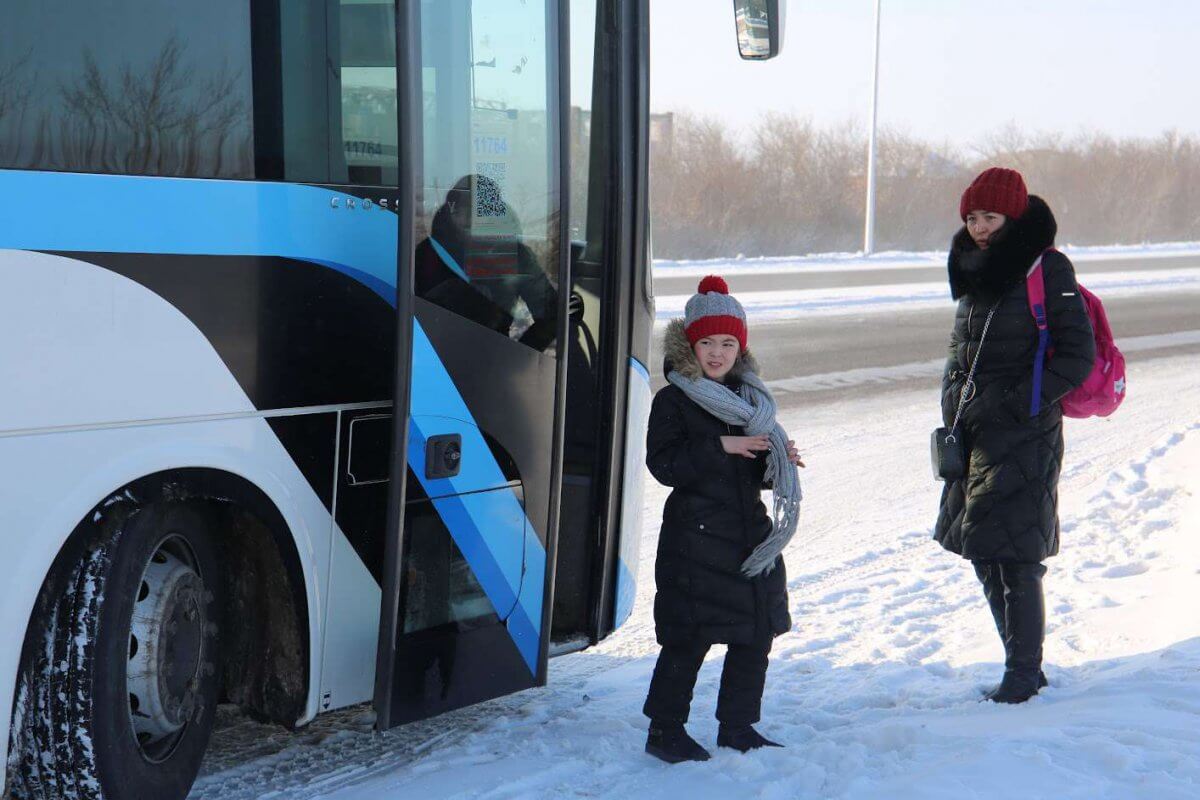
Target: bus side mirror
759 28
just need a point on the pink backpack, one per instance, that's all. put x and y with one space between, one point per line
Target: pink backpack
1104 389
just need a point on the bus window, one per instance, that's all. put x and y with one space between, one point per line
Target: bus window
368 91
291 89
126 87
489 204
198 92
325 91
444 590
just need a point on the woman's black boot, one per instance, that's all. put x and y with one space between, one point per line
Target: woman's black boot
1025 627
1042 684
742 738
671 743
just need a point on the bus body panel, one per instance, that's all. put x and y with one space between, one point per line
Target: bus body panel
352 629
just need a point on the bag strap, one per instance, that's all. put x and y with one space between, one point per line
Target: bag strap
449 260
969 386
1035 288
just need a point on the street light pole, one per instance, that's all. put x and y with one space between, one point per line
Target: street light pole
869 228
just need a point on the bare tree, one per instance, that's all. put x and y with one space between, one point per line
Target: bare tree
799 188
168 118
14 100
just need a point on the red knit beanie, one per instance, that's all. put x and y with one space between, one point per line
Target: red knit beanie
996 189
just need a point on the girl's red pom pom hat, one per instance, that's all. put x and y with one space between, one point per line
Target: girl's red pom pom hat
712 311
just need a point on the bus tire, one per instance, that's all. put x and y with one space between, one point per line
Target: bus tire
118 690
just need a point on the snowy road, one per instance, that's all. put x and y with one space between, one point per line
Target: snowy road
876 689
843 270
825 344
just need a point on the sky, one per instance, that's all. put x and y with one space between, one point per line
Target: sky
950 70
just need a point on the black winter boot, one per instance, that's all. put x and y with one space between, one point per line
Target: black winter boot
1025 628
742 738
1042 684
989 575
993 591
671 743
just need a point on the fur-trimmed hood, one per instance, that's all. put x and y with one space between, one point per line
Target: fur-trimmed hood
679 356
989 274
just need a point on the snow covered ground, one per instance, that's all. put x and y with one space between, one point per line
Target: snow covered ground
876 690
848 262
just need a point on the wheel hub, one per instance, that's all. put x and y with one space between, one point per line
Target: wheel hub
166 649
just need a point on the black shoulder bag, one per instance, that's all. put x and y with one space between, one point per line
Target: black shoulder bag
946 449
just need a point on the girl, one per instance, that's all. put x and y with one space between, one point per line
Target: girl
719 575
1003 513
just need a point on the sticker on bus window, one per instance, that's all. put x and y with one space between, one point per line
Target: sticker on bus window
490 153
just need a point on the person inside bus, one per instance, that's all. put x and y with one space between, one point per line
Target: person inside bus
999 507
475 264
719 573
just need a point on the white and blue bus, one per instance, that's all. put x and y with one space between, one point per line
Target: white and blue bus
323 341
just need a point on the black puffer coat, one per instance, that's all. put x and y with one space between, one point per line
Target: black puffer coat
1006 508
711 521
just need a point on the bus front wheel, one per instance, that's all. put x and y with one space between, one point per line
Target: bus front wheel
119 687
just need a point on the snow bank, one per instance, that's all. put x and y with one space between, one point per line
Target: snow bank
776 306
849 262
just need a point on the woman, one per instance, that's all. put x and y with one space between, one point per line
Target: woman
486 276
720 578
1003 513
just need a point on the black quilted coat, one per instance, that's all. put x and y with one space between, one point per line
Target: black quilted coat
712 519
1006 507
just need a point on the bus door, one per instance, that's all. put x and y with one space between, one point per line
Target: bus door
464 617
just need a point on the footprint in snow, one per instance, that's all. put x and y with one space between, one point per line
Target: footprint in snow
1155 526
1126 570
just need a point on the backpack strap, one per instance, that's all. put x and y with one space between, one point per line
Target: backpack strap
1035 288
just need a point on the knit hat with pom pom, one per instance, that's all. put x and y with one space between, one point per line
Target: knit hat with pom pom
712 311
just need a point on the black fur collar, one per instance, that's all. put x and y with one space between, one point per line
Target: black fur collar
989 274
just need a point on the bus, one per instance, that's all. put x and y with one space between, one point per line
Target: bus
323 375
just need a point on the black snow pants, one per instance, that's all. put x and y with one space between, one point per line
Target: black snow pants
743 677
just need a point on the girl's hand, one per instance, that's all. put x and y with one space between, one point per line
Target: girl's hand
793 455
748 446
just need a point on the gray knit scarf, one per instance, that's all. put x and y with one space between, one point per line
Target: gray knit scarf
753 408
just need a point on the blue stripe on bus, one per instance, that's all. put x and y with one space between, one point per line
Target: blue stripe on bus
191 216
489 527
379 286
183 216
639 368
626 592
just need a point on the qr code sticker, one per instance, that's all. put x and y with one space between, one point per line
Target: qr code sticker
489 199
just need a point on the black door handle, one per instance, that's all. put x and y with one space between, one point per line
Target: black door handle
443 456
